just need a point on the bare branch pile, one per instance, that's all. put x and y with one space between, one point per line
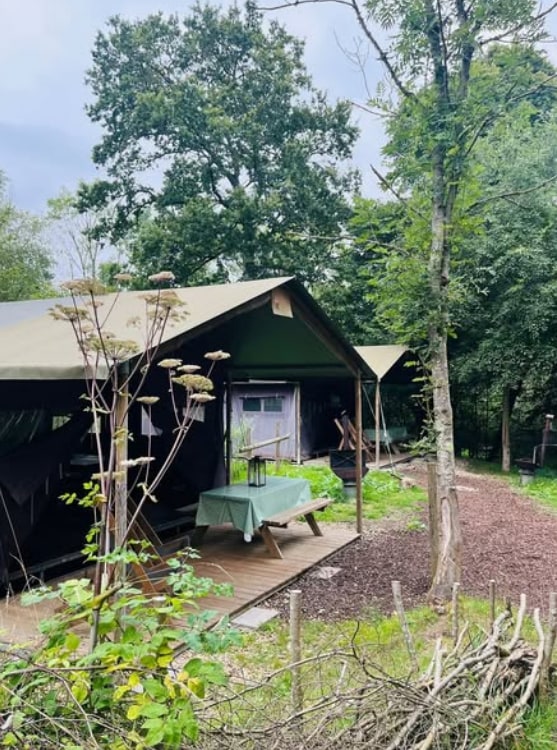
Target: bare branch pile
472 694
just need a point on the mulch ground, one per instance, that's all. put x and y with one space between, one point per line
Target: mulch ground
507 537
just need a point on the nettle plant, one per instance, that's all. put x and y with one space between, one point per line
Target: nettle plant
106 673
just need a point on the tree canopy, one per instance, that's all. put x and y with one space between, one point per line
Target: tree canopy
25 259
221 156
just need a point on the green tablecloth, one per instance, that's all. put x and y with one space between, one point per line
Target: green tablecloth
247 507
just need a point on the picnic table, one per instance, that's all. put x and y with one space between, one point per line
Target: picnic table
250 509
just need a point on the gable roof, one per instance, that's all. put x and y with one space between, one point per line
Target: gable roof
33 345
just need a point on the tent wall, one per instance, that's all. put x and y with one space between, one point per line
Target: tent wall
305 411
263 412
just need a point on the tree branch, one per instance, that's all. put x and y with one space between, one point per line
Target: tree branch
513 193
382 54
390 187
383 57
515 29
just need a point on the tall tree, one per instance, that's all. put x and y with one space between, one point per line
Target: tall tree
220 154
25 259
509 311
441 112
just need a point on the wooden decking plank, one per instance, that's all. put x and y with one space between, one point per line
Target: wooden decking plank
225 557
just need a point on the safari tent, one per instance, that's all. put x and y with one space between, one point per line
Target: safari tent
273 329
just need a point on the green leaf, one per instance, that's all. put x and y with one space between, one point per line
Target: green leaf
134 711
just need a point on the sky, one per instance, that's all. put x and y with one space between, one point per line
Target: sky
45 50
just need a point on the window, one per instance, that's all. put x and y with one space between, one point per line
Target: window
272 403
251 403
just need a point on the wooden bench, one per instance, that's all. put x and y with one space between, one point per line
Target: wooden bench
283 518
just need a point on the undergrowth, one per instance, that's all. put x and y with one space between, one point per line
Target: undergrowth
382 493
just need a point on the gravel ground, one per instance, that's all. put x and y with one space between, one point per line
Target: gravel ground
506 536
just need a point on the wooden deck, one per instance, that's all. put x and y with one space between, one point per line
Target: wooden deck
226 558
252 572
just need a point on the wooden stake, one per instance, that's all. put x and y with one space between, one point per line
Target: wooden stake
455 613
399 606
296 649
549 645
492 594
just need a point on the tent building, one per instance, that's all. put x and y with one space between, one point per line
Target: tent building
274 331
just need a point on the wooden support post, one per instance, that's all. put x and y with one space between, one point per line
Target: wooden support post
228 432
298 404
359 467
120 437
377 423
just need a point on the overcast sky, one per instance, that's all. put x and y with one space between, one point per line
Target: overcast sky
45 46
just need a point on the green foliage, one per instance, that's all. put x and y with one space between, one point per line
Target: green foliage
543 488
25 260
221 104
506 316
382 493
130 691
376 229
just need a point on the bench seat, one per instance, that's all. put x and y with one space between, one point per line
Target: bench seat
284 517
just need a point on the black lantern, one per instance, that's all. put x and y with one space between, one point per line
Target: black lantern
257 471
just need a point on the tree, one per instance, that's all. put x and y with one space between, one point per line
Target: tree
507 315
373 232
25 261
76 236
442 111
220 154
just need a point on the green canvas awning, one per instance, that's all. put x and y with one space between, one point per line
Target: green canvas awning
270 326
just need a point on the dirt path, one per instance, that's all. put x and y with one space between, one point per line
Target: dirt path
507 537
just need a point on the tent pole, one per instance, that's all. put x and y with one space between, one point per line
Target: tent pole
359 467
121 454
377 423
298 407
228 431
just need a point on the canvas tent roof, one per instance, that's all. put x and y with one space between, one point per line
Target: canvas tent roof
383 358
34 346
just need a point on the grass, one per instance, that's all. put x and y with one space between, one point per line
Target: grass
382 494
543 488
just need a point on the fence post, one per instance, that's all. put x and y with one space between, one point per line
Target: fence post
296 649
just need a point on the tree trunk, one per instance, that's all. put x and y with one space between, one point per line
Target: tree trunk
449 546
506 430
449 543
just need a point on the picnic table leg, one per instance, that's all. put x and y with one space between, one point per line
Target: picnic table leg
270 542
197 535
310 518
